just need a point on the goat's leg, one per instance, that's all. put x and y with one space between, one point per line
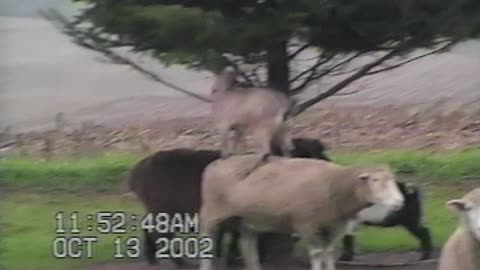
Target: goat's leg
423 235
238 139
281 139
225 145
249 247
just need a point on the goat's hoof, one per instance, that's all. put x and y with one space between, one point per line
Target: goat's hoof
425 258
345 258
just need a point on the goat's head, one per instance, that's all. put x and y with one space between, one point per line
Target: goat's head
381 187
224 80
469 208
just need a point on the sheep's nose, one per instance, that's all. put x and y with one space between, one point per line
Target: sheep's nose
398 204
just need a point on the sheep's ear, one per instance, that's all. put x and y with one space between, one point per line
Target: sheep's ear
458 205
364 177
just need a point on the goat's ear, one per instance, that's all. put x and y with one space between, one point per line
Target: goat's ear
410 188
364 177
458 205
229 69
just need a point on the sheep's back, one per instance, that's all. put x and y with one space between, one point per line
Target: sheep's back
280 187
170 181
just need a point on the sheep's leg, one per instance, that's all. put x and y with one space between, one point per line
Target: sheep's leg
316 252
150 248
330 237
209 227
249 247
348 251
329 257
212 217
233 248
152 240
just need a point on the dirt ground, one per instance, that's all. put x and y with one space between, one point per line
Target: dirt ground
391 261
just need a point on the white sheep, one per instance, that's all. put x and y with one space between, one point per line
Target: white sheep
313 199
462 250
261 110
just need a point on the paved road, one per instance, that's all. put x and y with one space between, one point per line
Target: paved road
45 73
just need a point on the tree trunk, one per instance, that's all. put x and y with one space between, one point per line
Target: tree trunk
278 67
277 248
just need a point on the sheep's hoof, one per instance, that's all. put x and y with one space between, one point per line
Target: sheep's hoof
180 262
234 261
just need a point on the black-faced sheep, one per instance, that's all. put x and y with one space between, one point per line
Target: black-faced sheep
260 110
462 250
410 216
317 205
170 182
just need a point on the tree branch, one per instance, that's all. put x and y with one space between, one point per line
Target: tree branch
299 50
442 48
318 63
339 86
81 38
325 72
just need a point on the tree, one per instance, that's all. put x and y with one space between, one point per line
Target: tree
270 35
266 39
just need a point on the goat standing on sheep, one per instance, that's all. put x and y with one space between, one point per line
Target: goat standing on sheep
236 110
316 206
179 171
462 250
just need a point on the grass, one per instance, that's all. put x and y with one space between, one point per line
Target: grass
451 166
104 172
29 228
98 173
39 189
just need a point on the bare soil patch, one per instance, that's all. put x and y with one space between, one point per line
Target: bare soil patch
375 260
433 127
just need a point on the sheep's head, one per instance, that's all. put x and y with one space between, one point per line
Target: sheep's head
469 208
224 80
381 187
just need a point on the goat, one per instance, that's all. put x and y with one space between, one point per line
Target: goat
317 205
179 172
261 110
410 216
462 249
